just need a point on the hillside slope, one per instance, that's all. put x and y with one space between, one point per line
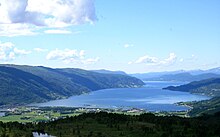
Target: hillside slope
104 124
210 87
28 84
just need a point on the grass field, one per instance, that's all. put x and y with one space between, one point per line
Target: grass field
25 114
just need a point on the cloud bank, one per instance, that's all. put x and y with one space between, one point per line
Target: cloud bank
9 52
35 14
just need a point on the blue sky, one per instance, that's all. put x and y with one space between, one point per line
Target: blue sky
133 36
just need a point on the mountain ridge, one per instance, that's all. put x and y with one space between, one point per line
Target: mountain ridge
30 84
209 87
180 75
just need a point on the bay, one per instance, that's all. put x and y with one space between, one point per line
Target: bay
151 97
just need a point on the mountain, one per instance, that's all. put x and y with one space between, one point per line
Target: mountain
154 74
198 72
185 77
210 87
180 75
214 70
204 107
29 84
109 72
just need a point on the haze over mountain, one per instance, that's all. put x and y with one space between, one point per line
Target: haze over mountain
28 84
181 75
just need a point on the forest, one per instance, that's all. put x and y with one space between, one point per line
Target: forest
105 124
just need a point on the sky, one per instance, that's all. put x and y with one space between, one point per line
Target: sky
133 36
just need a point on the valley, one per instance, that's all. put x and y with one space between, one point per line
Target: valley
148 105
104 68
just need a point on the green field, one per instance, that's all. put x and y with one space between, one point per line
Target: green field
36 115
25 114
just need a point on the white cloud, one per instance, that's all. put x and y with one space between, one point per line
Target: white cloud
128 45
45 14
171 59
181 60
64 12
130 62
70 56
82 53
63 54
8 51
21 51
154 60
147 59
15 11
40 50
18 29
57 31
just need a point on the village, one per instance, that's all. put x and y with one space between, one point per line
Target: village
39 114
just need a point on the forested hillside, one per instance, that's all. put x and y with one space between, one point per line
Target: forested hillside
28 84
116 125
210 87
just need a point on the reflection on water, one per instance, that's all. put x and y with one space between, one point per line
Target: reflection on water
36 134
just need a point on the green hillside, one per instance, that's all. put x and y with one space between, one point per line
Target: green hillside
205 107
210 87
28 84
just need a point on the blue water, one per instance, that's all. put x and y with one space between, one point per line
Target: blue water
2 114
151 97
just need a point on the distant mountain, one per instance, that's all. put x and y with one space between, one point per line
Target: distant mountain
185 77
214 70
181 75
109 72
210 87
198 72
154 74
28 84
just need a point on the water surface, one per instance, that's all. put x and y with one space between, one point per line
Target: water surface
2 114
151 97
